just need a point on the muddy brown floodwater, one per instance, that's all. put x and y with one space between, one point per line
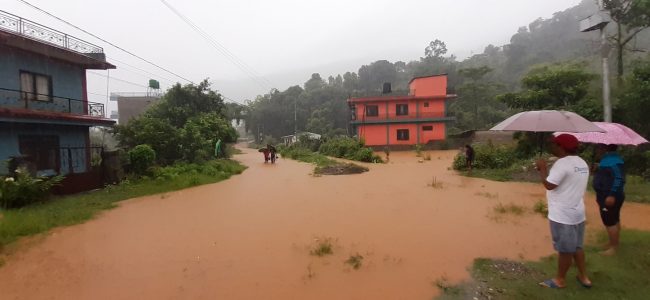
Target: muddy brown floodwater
250 237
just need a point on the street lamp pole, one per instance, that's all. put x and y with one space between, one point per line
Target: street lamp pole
607 104
599 21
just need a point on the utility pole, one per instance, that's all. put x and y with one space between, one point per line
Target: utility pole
295 117
607 104
599 21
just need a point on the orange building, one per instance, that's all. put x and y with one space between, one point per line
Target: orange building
418 118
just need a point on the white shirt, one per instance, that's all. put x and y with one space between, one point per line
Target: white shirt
566 202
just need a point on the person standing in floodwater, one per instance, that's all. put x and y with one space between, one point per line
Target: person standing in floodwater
566 184
609 184
266 154
469 157
273 152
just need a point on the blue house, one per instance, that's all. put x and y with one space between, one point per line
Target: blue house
45 115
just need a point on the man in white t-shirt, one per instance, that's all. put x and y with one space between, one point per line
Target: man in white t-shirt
566 184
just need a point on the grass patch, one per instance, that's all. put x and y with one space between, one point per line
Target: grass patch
75 209
490 174
355 261
624 276
487 195
509 209
323 247
436 184
446 287
324 164
541 208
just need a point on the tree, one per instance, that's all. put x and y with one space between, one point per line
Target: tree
184 125
476 107
633 108
314 82
559 86
631 17
236 111
436 48
350 81
373 76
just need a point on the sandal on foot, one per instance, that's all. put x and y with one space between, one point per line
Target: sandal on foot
584 284
549 283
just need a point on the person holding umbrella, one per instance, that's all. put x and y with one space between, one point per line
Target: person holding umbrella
609 177
566 184
609 184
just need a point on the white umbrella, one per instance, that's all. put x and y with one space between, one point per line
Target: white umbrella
547 121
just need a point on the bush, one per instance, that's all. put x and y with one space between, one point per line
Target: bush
142 157
348 148
25 189
488 157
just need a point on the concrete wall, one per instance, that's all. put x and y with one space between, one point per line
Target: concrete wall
435 86
69 136
68 80
130 107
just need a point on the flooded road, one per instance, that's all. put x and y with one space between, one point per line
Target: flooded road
250 237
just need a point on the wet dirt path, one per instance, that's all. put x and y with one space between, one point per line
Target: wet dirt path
249 237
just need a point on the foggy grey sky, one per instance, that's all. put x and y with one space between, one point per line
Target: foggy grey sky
283 40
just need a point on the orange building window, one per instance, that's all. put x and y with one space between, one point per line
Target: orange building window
372 110
402 134
402 109
427 128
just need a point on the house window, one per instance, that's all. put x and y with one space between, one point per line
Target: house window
42 151
426 104
35 86
402 109
372 110
402 134
427 128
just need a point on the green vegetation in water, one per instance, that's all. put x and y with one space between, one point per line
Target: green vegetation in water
323 247
75 209
541 208
510 208
324 164
348 148
623 276
487 195
355 261
418 150
446 287
436 184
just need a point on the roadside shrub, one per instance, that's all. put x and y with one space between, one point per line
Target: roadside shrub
348 148
215 168
25 189
142 157
488 157
340 147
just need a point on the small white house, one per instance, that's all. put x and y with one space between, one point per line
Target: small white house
288 140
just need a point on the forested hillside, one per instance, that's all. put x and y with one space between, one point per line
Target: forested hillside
545 52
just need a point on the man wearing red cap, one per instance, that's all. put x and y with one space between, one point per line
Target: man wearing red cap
566 184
